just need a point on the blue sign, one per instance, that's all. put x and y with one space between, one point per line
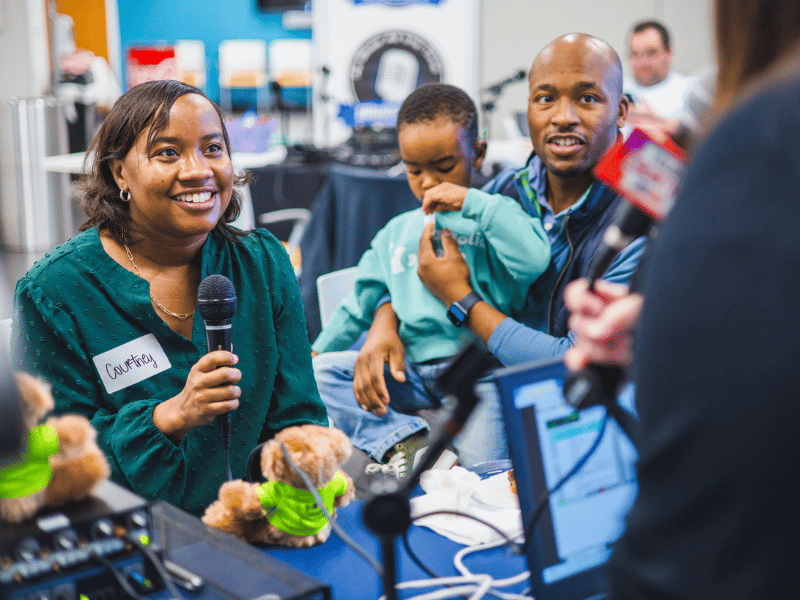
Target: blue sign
372 112
398 2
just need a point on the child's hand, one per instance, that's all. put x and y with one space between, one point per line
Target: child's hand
444 197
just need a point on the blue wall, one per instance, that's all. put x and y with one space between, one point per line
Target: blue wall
165 21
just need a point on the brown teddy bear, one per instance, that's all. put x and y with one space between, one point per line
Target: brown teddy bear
282 510
62 461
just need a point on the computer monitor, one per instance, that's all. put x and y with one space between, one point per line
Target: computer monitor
576 532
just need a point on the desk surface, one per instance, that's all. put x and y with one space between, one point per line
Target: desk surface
351 578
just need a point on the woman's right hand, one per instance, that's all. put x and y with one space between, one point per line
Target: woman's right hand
382 346
210 391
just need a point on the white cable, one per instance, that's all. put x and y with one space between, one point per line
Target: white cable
478 585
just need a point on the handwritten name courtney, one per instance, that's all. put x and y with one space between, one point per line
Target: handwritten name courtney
134 362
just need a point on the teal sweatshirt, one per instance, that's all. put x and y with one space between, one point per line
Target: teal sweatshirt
505 248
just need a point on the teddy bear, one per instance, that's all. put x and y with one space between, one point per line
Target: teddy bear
61 463
281 510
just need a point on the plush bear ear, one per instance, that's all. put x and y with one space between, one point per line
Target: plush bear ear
36 397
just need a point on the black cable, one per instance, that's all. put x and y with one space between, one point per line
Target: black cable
416 559
543 501
227 450
155 561
118 575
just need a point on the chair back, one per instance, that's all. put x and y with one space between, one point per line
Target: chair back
299 217
290 62
190 59
242 63
332 288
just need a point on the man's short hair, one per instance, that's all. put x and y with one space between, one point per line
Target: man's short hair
645 25
434 100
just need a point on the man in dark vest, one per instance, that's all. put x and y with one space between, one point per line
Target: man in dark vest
575 111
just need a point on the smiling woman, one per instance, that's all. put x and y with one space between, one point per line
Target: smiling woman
108 318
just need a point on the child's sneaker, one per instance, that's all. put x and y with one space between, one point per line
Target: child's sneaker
405 456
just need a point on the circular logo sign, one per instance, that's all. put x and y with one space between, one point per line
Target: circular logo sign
391 65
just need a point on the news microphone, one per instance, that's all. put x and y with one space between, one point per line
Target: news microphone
498 87
647 175
216 301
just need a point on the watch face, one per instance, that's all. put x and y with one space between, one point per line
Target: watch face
456 315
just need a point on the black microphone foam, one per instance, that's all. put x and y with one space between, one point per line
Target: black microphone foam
216 299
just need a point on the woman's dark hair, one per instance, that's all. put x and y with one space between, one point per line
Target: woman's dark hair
144 106
434 100
751 35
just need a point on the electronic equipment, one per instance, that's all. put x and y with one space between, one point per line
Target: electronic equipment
370 147
49 557
229 567
569 545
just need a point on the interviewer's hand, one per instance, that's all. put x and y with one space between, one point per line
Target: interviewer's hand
444 197
602 322
446 277
210 390
381 347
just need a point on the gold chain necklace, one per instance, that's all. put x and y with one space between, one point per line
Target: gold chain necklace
182 317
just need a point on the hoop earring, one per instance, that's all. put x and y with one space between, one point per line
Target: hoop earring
124 196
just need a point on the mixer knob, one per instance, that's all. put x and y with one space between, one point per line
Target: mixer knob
28 549
138 520
102 529
66 539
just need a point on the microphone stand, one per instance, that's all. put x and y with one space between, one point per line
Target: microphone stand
496 91
387 514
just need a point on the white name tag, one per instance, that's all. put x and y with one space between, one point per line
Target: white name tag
131 363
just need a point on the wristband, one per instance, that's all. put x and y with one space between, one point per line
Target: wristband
459 311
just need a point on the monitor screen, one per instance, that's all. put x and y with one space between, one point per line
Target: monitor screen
576 533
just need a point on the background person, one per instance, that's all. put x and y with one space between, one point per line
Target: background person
506 250
109 319
659 93
718 342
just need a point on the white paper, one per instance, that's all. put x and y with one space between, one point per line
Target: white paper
131 363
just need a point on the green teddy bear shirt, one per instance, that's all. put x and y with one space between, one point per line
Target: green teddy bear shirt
294 511
34 471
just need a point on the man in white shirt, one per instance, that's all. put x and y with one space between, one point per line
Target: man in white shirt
659 94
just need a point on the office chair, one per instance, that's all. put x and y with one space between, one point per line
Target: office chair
301 217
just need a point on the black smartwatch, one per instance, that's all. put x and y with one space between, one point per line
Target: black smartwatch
459 311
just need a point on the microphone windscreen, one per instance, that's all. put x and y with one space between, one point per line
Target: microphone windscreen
216 298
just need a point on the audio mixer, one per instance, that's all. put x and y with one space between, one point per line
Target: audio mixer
58 554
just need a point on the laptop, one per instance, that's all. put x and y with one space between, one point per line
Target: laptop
575 533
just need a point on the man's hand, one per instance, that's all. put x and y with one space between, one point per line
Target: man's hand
444 197
602 322
382 346
446 277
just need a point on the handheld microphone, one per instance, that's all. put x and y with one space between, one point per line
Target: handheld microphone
216 301
647 174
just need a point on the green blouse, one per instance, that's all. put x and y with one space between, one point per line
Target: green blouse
77 305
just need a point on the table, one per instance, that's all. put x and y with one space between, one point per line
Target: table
351 578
